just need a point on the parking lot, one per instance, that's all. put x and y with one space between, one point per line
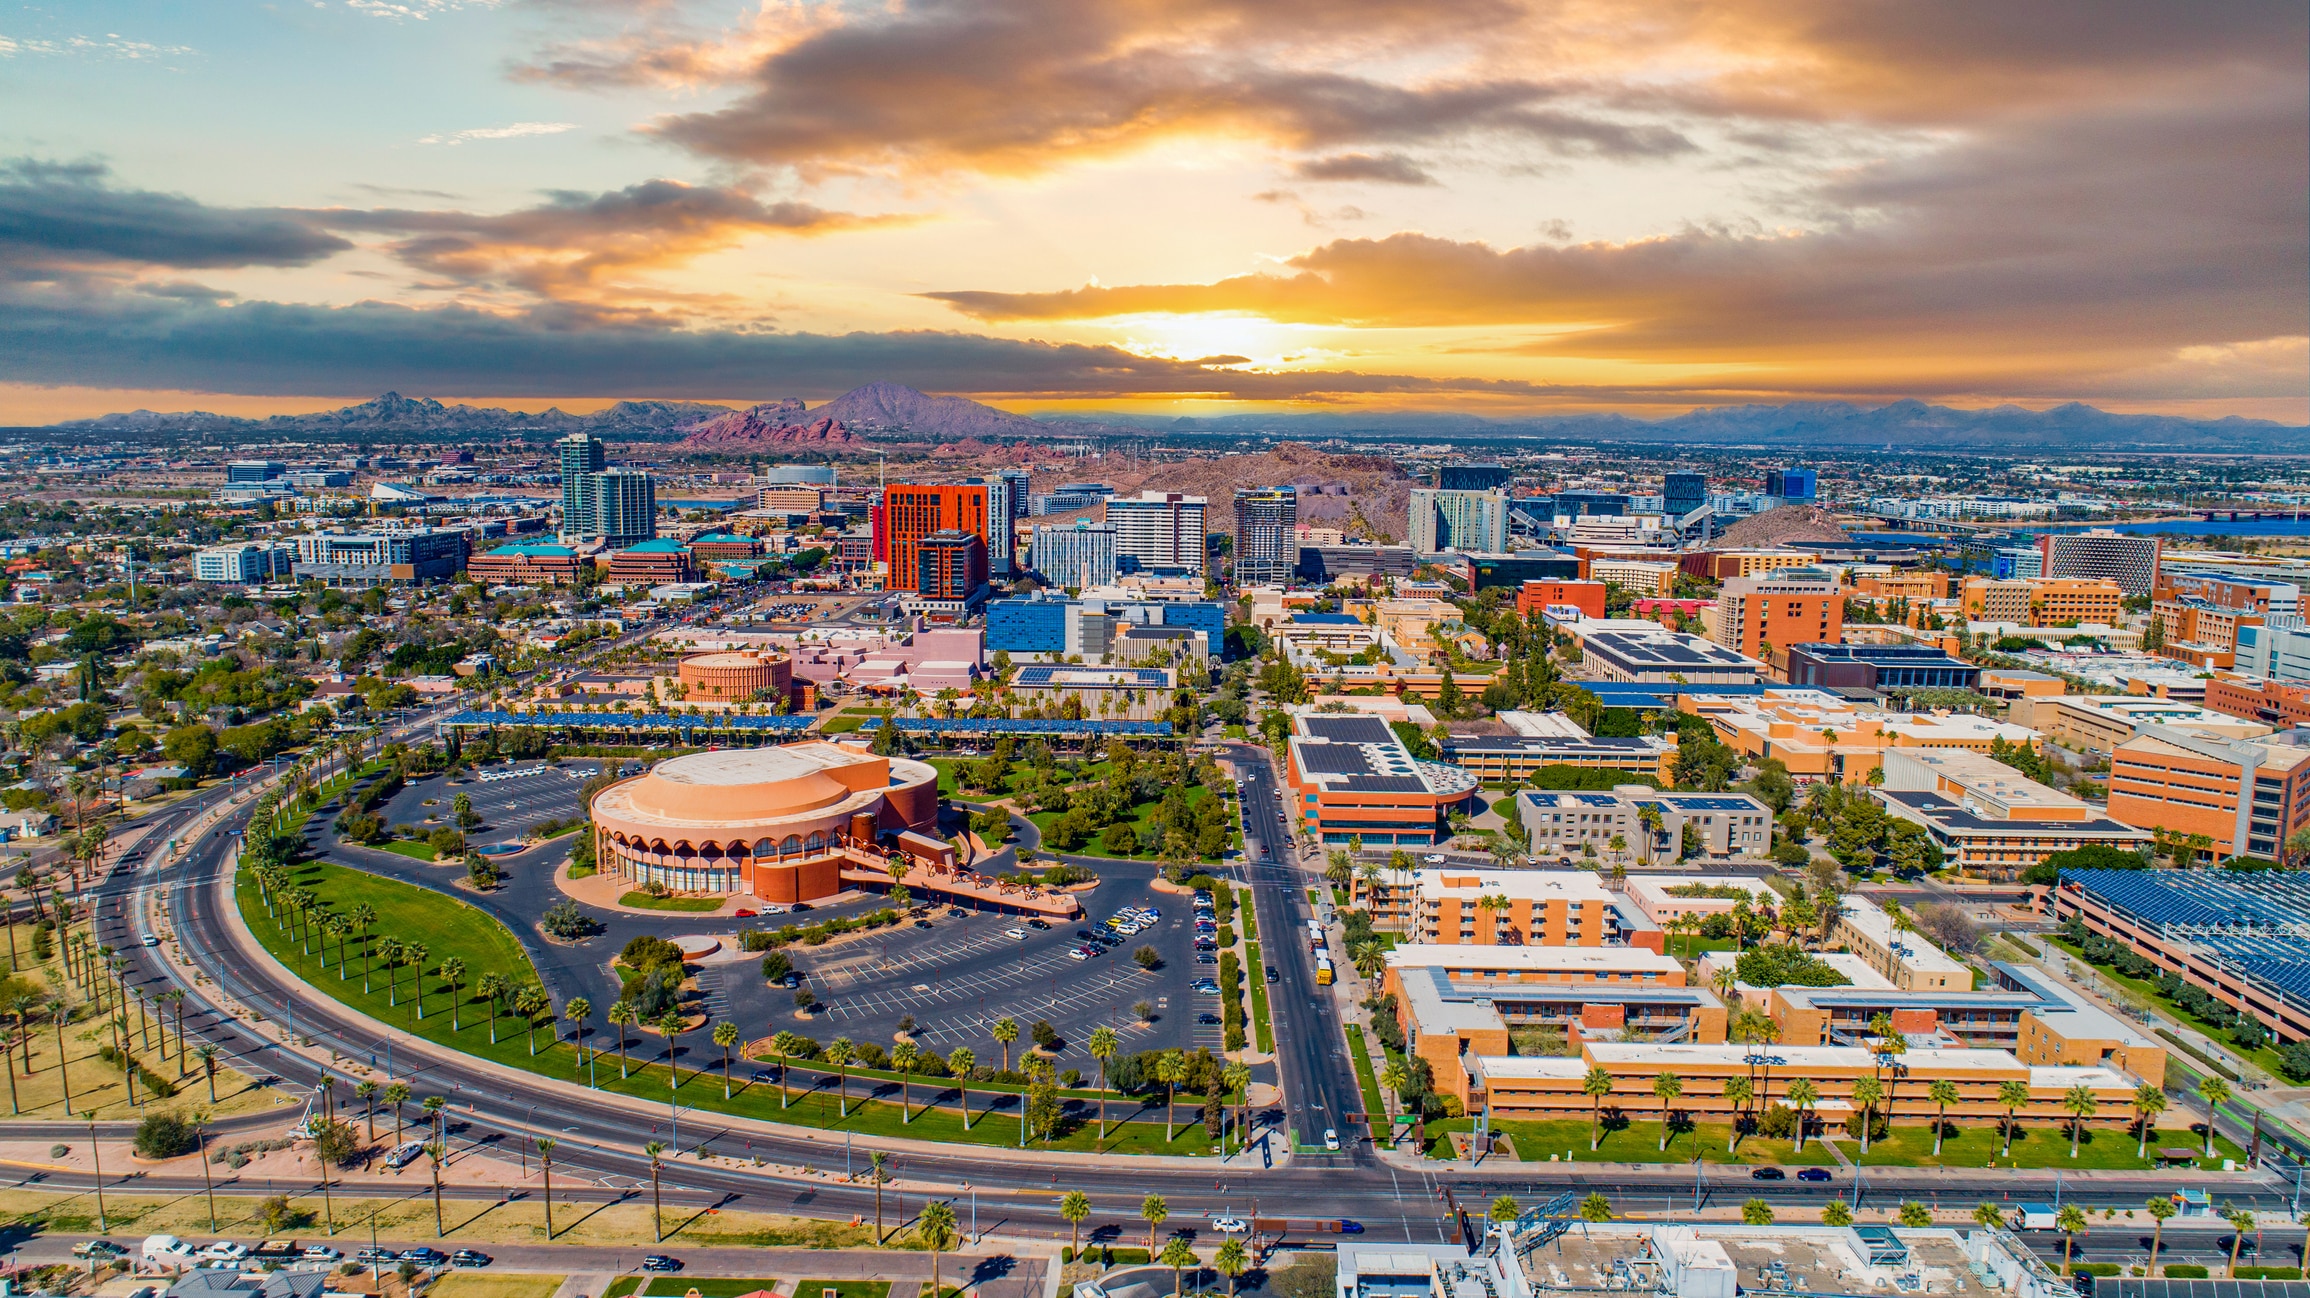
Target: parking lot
958 977
509 798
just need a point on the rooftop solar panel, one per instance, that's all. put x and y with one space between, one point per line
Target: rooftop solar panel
1349 730
1333 759
1385 784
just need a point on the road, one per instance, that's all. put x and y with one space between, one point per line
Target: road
600 1137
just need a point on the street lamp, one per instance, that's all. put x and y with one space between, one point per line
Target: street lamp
97 1157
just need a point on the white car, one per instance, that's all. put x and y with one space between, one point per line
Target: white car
1331 1139
404 1154
1076 953
1434 858
320 1253
775 908
224 1250
1015 934
1229 1225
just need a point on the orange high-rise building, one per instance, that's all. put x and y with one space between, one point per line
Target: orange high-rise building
913 511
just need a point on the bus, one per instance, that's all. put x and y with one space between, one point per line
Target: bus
1323 971
1315 939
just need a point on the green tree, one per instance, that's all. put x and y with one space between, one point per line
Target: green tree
2070 1221
2161 1206
2080 1103
1596 1085
1075 1209
1836 1215
1916 1216
2216 1093
1665 1088
935 1226
1943 1093
725 1035
2149 1102
1154 1211
1756 1212
2011 1097
1596 1209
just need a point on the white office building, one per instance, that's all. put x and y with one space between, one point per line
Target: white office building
1161 531
1466 521
252 564
1079 557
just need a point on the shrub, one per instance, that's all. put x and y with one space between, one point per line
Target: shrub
1785 965
1147 957
1778 1122
164 1135
565 921
777 965
2185 1271
646 953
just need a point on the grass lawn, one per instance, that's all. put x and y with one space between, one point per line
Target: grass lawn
1635 1138
410 848
1691 946
841 725
492 1284
1142 815
845 1288
1256 974
660 1286
2266 1058
449 927
1375 1111
2036 1143
643 901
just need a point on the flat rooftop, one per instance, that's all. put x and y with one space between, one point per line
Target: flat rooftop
1516 885
1471 961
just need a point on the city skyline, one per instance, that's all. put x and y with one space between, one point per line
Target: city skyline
1502 209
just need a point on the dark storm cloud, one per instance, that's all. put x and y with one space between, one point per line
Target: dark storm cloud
66 217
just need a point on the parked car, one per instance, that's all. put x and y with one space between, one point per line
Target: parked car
660 1262
1206 958
424 1256
405 1153
1767 1174
1016 934
1229 1225
1347 1227
100 1249
1208 1019
224 1250
469 1257
1040 925
1813 1174
319 1253
376 1256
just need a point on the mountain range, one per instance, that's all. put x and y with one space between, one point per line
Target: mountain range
888 411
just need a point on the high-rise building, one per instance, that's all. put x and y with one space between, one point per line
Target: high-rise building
1161 531
620 506
2130 561
1466 521
1078 557
1266 535
1682 493
1757 616
1006 504
1473 477
2016 562
912 511
246 564
951 564
580 455
1796 486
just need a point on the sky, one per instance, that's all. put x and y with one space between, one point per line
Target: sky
1185 206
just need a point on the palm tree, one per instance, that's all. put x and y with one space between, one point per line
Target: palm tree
1943 1093
388 953
1802 1097
1075 1209
874 1171
366 1092
1867 1092
2216 1093
1666 1088
435 1152
1596 1085
1233 1260
577 1011
1596 1209
656 1149
960 1061
1178 1254
904 1057
530 1002
491 988
207 1054
725 1035
2071 1222
545 1170
621 1015
1170 1069
2079 1103
364 919
936 1226
436 1107
1236 1079
63 1074
1737 1094
839 1052
2240 1221
783 1044
1153 1210
1104 1043
670 1025
1989 1216
1394 1077
453 973
2011 1096
1836 1215
2161 1206
1916 1216
2149 1102
1006 1031
413 954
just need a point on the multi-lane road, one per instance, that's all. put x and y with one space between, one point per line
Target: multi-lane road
600 1136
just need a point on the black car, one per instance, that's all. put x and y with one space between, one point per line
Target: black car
424 1256
1206 958
376 1255
469 1257
1086 934
1767 1174
1272 976
1813 1174
660 1262
1207 1020
1039 923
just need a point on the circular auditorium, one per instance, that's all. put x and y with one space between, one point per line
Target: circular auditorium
734 676
775 823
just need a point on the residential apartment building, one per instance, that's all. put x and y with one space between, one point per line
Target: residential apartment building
2245 796
1007 505
790 498
380 558
1466 521
1075 557
1759 617
2200 632
1640 577
721 547
1161 531
1916 587
2130 561
616 507
1464 906
251 564
951 566
1990 820
2226 588
913 511
1579 824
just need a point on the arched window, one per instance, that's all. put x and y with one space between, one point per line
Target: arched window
817 842
792 846
766 847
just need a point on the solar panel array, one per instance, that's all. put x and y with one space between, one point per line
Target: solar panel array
2259 922
629 721
1348 730
1333 759
1008 726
